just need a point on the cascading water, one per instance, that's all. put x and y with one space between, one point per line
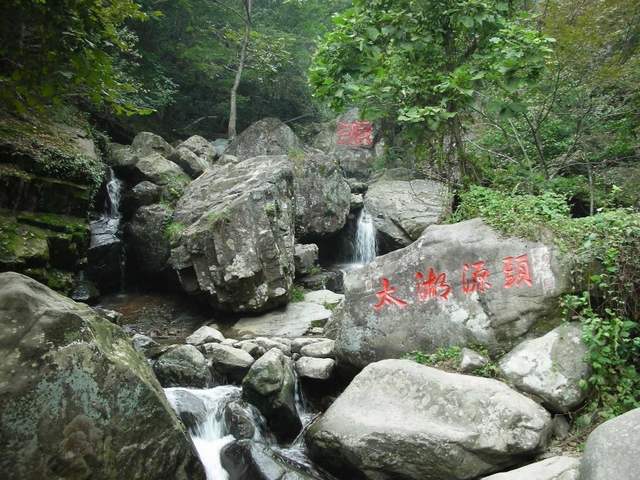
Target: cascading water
106 252
210 435
105 228
210 430
365 244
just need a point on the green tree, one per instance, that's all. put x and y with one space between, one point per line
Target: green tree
581 119
422 62
53 51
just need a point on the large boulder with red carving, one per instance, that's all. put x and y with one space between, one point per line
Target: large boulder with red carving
456 285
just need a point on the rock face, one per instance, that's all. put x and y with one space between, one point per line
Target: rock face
77 400
457 284
238 240
550 368
323 196
268 136
352 142
145 234
402 210
269 386
613 449
554 468
399 419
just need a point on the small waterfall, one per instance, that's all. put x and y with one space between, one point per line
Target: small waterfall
203 412
365 245
106 251
105 228
210 435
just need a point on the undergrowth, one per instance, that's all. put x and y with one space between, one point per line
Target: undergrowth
604 251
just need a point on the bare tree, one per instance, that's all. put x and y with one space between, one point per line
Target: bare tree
246 19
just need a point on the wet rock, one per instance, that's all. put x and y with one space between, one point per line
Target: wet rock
270 386
249 460
183 366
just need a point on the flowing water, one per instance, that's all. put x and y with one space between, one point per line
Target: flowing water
105 228
365 244
210 435
210 431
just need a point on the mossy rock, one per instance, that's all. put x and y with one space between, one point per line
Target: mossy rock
78 400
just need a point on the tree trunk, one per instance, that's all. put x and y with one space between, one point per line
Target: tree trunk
233 110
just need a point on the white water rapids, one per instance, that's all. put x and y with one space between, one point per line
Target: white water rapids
212 432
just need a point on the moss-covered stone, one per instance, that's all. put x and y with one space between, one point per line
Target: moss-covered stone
78 400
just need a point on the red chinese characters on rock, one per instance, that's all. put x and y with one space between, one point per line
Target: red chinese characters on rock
478 281
385 296
434 286
516 275
356 134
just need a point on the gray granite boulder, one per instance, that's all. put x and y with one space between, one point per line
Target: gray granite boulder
183 366
238 239
401 210
268 136
78 401
554 468
613 449
145 234
550 368
323 196
157 169
189 162
229 361
305 258
270 386
205 334
399 419
146 143
315 368
201 147
353 143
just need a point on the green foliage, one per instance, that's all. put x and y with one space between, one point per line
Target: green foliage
605 251
297 293
422 63
174 231
315 270
218 219
443 357
329 306
522 215
53 50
